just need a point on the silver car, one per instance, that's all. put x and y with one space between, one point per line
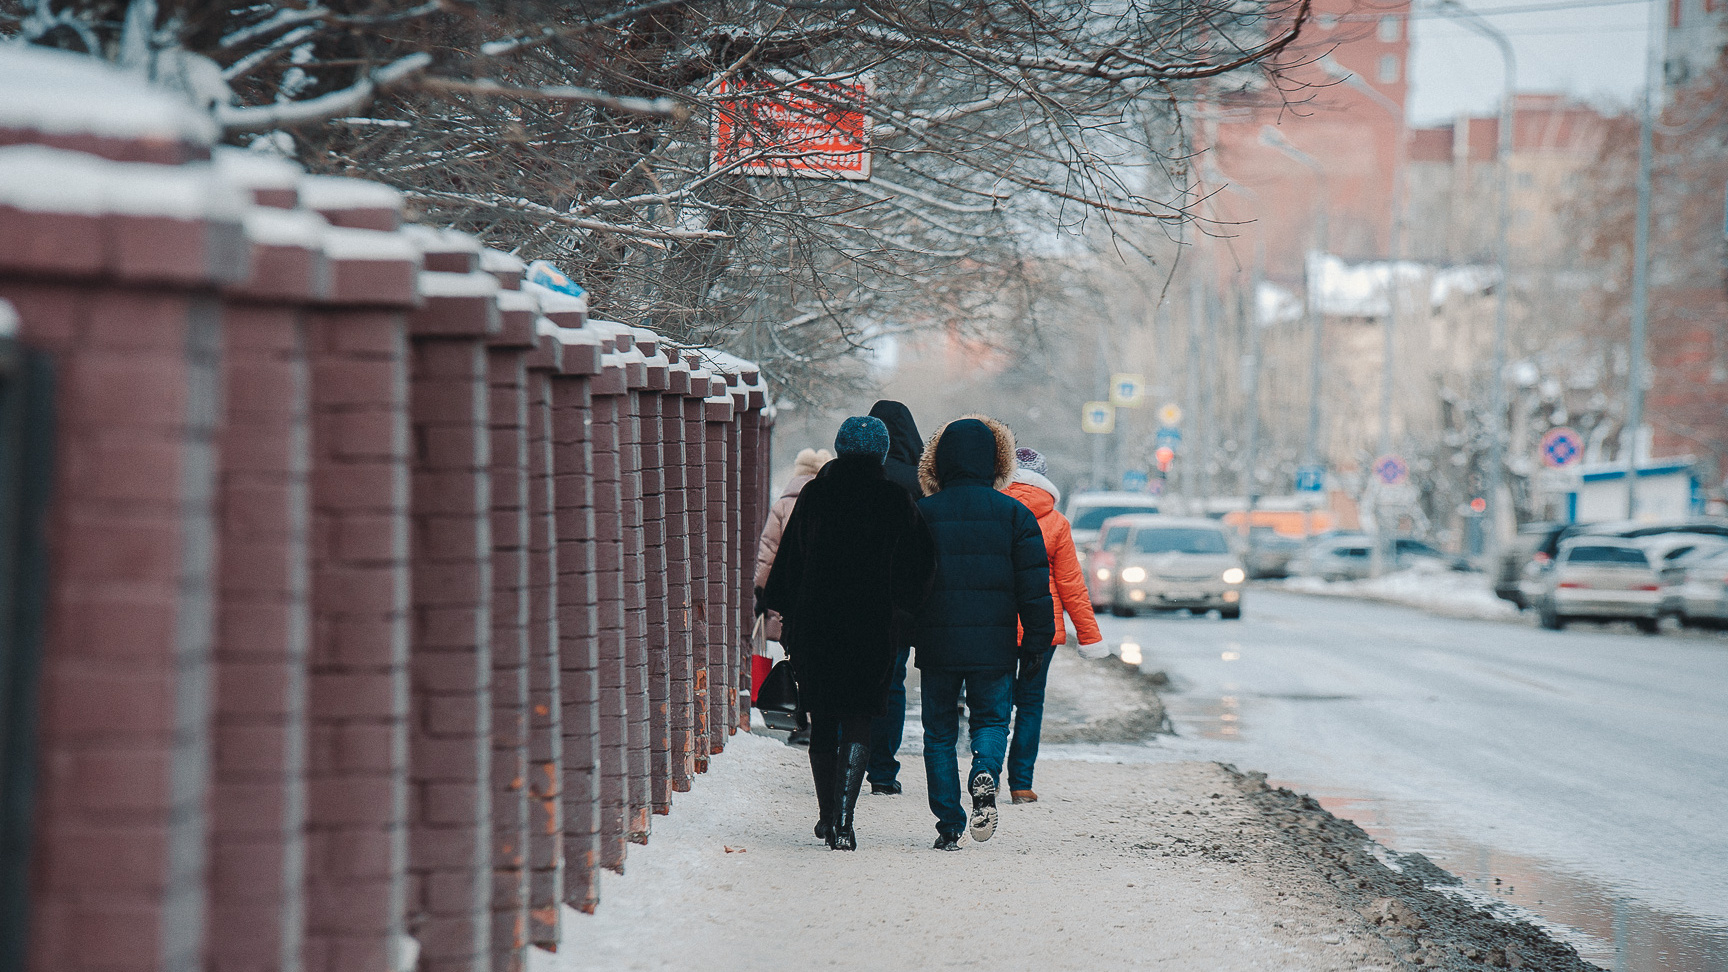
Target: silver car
1171 562
1601 579
1344 556
1700 597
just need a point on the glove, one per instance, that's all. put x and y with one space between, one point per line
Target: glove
1030 665
1096 649
756 604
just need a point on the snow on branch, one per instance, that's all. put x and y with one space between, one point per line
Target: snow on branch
356 96
663 107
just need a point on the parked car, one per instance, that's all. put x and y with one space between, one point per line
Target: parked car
1087 512
1515 579
1700 597
1601 578
1533 571
1171 562
1339 556
1099 559
1268 553
1673 554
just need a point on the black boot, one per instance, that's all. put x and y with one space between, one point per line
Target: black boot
822 769
849 779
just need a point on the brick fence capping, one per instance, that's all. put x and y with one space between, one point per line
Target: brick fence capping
390 595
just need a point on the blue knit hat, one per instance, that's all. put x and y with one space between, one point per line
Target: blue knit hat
1030 459
862 435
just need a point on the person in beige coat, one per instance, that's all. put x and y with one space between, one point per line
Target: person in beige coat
804 469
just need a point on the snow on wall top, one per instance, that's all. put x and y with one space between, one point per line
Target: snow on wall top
516 300
338 192
285 227
255 170
497 261
341 243
551 301
62 93
36 178
435 284
429 238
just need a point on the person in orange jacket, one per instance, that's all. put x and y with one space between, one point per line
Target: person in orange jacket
1033 488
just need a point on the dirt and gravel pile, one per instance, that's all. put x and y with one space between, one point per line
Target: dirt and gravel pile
1102 701
1402 896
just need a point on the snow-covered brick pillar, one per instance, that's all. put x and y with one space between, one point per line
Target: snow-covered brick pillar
610 395
67 101
722 543
696 522
113 268
545 836
631 506
509 416
679 646
450 846
263 620
357 686
738 578
753 440
353 203
574 464
659 668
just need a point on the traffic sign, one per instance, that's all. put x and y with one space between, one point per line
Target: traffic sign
1170 414
1561 447
1310 479
1168 436
1134 481
1098 418
1127 390
1156 487
1391 470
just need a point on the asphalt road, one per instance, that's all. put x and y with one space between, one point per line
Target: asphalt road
1582 774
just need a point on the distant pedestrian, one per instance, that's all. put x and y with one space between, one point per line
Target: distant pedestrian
905 448
992 582
854 553
805 466
1033 488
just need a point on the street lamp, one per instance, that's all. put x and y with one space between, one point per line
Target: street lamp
1497 397
1272 138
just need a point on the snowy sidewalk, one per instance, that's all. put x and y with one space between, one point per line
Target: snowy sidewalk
1119 866
1449 593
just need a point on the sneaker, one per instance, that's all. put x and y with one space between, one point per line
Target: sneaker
983 824
885 789
947 842
1023 796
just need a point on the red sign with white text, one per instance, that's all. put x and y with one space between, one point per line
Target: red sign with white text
802 129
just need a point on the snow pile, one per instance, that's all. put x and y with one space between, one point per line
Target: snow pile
1449 592
61 93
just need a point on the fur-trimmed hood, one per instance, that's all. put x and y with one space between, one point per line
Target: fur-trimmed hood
1004 466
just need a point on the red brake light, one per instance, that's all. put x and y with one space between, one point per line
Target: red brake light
1541 557
1573 584
1647 587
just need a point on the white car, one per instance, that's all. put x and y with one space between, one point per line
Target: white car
1700 597
1600 578
1087 512
1170 562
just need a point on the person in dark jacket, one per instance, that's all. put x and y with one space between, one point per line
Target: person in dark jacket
992 571
905 448
854 553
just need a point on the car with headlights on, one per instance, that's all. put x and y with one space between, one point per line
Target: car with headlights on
1099 559
1600 578
1171 562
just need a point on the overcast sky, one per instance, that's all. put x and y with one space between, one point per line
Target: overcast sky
1593 49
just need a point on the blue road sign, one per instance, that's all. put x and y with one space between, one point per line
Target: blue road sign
1391 470
1134 480
1561 447
1310 479
1168 435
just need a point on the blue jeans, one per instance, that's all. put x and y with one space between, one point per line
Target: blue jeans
887 729
1028 726
988 698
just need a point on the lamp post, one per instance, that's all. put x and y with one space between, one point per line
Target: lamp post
1497 387
1641 261
1270 137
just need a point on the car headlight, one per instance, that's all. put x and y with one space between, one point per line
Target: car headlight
1103 573
1134 575
1234 575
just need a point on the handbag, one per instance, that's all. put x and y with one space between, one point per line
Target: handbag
778 698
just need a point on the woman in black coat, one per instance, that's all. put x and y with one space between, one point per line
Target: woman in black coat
855 553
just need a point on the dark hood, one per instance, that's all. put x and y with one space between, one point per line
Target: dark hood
966 454
904 443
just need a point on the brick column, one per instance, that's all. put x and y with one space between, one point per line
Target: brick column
696 521
680 647
630 506
509 417
357 689
450 843
125 305
609 410
574 465
737 577
721 648
545 847
654 528
749 528
263 615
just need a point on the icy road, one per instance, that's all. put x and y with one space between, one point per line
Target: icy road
1580 774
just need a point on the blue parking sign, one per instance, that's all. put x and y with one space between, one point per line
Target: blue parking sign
1310 479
